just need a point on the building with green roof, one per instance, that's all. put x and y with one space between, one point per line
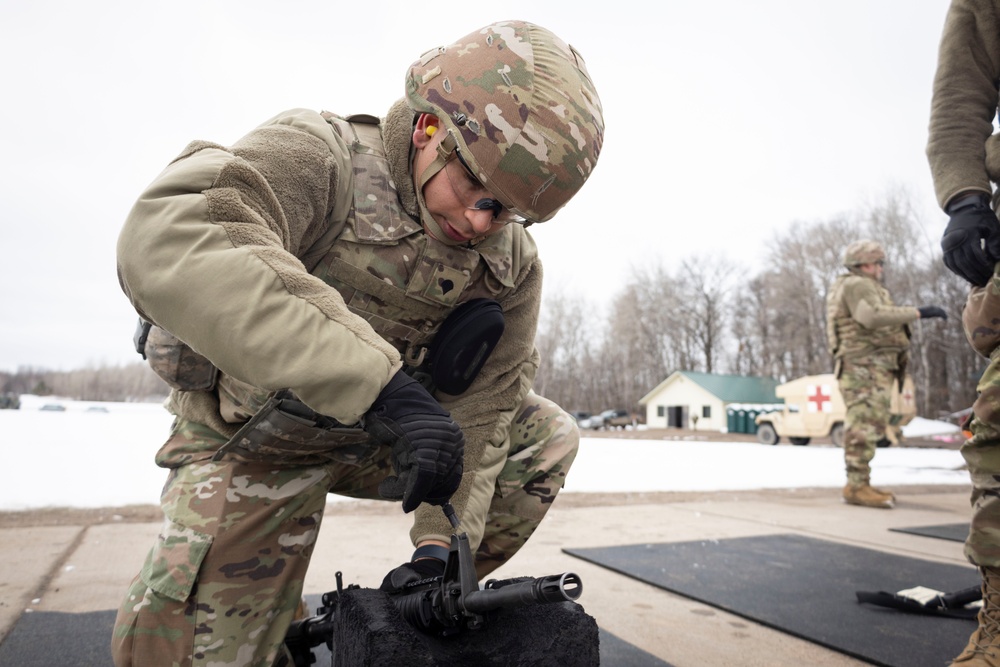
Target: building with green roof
688 399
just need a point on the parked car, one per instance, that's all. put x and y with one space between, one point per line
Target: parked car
607 419
580 415
53 407
616 418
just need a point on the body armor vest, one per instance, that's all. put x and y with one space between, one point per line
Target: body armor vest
389 272
847 338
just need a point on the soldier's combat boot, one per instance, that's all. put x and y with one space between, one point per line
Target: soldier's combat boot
866 496
983 649
885 493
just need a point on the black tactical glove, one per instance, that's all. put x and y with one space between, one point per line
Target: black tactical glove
425 568
971 241
932 311
427 445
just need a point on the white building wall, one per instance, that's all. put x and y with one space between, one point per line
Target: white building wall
682 391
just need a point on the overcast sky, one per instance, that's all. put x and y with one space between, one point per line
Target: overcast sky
727 122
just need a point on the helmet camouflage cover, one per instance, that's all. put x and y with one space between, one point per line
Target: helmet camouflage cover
863 252
522 109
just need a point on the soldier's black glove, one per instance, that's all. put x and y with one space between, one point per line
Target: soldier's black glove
427 445
971 241
425 568
932 311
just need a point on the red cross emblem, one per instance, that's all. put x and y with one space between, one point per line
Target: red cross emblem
818 398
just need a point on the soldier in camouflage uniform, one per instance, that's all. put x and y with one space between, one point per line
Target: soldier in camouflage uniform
351 305
869 339
964 156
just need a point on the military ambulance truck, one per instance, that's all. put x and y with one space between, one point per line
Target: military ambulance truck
814 408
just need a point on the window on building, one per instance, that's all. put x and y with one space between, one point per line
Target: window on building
660 411
706 411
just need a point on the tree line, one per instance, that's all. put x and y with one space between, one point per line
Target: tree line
129 382
706 313
711 314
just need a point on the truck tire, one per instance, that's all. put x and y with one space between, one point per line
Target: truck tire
799 441
837 434
766 434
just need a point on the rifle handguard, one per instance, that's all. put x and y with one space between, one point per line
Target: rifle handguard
453 602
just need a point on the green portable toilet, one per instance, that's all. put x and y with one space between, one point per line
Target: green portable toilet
741 421
731 420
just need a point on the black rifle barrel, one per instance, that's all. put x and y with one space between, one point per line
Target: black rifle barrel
565 587
310 632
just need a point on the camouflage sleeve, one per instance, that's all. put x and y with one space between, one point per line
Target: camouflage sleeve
486 410
862 298
964 100
208 252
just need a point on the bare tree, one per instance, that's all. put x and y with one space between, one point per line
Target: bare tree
705 284
754 347
566 373
129 382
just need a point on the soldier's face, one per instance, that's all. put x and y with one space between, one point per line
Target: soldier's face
443 194
874 270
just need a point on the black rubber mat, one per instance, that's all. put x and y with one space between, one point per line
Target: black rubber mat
806 587
44 639
956 532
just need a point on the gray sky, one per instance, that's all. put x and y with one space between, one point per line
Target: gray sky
726 122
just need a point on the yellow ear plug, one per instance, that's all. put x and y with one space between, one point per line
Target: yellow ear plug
430 130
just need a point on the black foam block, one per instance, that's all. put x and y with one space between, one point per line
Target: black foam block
43 639
614 652
543 635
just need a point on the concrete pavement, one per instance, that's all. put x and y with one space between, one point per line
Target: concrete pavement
82 561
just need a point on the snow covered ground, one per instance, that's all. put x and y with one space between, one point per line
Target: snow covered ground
101 454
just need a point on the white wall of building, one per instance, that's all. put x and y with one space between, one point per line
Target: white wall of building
695 401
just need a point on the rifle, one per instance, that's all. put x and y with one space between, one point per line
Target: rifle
454 602
306 634
442 606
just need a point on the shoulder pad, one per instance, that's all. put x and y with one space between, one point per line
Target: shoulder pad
363 118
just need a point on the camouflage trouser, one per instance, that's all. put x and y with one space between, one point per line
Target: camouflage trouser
980 319
543 444
866 388
222 583
982 454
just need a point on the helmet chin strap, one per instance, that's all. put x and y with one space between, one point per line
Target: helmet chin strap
444 151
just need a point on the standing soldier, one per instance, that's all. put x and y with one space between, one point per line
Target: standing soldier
351 305
964 156
869 340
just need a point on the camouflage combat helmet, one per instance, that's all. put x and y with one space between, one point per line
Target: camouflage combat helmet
863 252
520 109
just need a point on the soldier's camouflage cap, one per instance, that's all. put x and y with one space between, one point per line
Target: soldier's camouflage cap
523 111
863 252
